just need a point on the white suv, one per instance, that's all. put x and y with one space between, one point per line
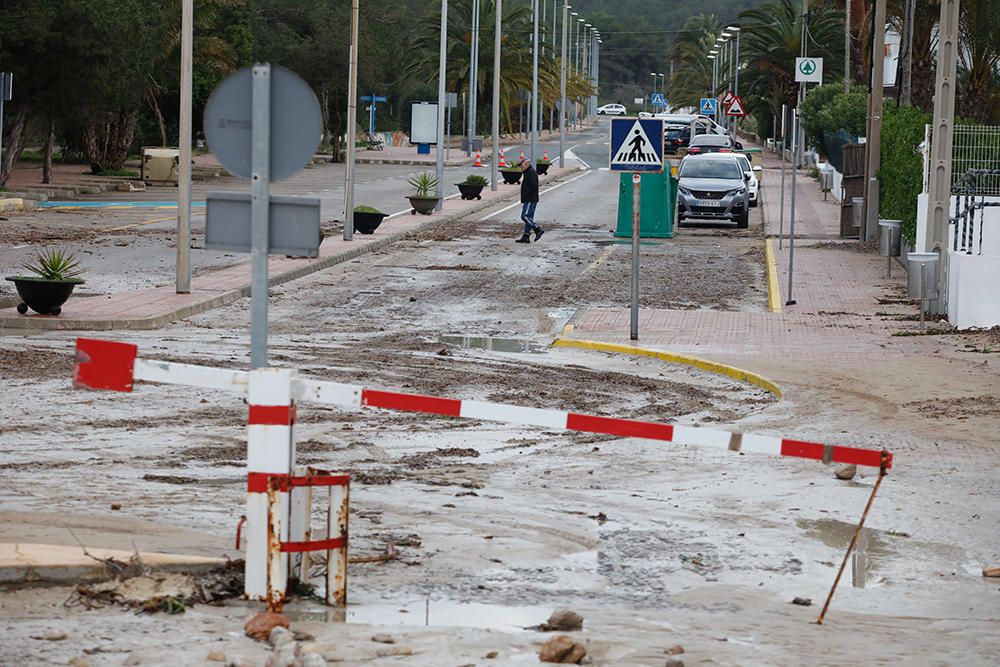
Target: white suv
611 110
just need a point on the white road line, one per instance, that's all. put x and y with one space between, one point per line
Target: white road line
570 154
515 204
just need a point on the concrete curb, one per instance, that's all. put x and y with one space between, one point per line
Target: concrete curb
49 563
226 298
696 362
15 204
773 288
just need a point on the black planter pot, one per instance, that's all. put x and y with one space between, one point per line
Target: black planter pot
367 223
45 297
542 167
470 191
422 205
511 177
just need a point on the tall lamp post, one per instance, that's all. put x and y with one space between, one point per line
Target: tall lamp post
442 102
572 58
534 80
496 99
562 87
714 57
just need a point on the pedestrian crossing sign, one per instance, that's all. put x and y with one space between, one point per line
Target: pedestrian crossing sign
636 144
658 100
708 106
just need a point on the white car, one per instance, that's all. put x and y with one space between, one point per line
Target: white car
611 110
753 183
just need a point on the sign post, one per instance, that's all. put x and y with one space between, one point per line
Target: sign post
636 146
239 118
372 100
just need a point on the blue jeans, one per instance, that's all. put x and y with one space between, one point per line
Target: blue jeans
528 216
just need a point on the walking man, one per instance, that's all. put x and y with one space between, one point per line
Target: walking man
529 200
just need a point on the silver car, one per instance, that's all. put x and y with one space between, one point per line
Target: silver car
710 188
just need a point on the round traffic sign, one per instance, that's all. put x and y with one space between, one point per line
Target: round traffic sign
296 123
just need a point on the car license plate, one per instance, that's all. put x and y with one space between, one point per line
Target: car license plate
714 203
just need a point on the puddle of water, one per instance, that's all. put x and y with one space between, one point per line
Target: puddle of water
519 345
871 547
427 612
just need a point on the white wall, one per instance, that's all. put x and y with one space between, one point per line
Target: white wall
972 290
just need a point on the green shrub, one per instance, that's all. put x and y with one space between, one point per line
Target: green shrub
367 209
54 265
901 174
827 109
423 183
475 179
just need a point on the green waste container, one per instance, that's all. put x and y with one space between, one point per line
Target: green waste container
657 201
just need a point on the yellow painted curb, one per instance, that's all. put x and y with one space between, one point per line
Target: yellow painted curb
773 289
703 364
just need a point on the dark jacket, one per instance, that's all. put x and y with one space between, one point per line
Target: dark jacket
529 185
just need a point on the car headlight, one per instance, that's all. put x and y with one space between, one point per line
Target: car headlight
736 193
684 191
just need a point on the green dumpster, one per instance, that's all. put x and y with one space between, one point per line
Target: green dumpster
657 200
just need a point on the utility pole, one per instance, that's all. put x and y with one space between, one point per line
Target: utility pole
496 99
184 144
847 47
352 122
473 77
534 80
562 87
941 146
442 103
874 140
906 53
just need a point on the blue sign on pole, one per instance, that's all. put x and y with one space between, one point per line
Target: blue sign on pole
372 100
709 106
658 100
636 144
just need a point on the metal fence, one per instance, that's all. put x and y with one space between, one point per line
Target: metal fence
970 199
977 147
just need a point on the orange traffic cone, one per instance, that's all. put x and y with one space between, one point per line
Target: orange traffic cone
521 159
479 160
501 164
545 156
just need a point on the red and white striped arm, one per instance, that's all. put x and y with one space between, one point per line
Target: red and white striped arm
111 361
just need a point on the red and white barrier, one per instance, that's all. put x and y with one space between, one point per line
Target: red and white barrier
272 394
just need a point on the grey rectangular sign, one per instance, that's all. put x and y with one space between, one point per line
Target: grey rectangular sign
7 86
293 224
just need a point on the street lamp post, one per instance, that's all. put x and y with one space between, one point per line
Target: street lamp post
442 102
534 80
572 59
714 57
473 77
352 122
562 87
496 99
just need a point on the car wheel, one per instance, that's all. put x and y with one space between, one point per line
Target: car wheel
753 203
743 221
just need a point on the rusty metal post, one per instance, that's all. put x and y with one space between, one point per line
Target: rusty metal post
300 524
277 580
336 564
883 469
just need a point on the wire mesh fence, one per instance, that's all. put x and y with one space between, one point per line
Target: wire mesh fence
977 147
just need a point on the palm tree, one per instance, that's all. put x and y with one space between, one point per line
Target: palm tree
515 57
692 77
772 41
979 36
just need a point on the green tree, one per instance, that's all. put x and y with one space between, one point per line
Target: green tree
692 78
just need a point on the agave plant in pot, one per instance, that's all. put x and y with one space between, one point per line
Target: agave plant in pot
472 186
367 219
423 201
55 275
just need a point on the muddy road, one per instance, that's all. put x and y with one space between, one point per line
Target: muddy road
495 526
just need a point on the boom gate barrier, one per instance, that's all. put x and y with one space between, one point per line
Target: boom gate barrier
279 492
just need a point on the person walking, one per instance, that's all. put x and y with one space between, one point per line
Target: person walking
529 200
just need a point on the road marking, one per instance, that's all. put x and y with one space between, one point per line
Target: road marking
149 222
574 156
773 288
597 262
697 362
515 204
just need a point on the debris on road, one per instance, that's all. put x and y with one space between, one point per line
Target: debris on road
561 620
259 627
804 602
562 649
991 572
846 471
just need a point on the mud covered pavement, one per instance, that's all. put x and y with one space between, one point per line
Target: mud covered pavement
492 527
